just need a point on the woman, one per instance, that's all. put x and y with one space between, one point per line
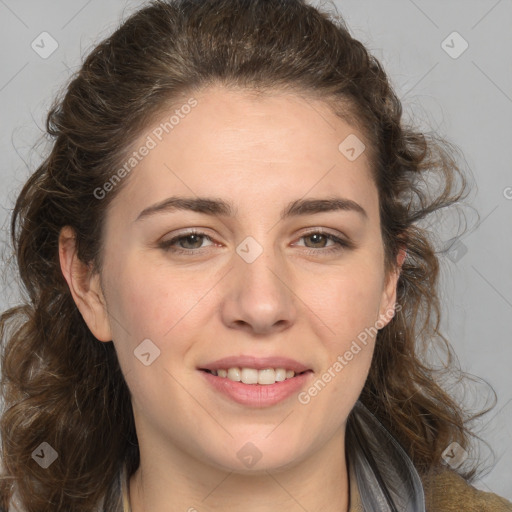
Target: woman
228 286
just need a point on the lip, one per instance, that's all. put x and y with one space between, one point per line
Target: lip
258 363
257 395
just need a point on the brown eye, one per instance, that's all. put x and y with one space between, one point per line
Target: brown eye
187 243
193 239
319 243
318 238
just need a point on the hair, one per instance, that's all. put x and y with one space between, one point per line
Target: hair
59 384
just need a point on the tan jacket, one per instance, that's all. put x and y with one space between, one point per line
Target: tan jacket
446 491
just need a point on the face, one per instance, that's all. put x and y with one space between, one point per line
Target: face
309 286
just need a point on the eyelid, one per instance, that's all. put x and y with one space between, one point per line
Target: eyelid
323 231
308 231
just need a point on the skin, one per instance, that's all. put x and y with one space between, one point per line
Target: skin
261 154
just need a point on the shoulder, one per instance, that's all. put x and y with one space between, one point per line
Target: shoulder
447 491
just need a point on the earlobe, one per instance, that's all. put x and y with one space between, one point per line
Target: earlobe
84 285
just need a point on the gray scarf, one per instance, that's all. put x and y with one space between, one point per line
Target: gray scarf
386 477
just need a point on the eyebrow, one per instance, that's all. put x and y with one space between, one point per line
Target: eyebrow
219 207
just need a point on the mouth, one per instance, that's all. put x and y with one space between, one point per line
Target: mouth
252 376
215 372
255 388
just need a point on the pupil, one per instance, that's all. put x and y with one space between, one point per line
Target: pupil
196 237
315 236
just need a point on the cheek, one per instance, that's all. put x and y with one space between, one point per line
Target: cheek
348 309
156 303
347 303
150 303
152 299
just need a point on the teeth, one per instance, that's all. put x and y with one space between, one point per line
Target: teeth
253 376
234 374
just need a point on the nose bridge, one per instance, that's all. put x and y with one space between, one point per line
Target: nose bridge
260 263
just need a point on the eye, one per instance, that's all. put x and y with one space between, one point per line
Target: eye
321 237
191 243
192 238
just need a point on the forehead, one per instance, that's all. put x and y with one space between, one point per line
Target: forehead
233 142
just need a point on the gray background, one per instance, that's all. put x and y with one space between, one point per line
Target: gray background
467 99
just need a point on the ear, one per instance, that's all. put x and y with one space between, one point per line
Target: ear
84 286
388 301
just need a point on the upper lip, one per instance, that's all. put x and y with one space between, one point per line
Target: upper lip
259 363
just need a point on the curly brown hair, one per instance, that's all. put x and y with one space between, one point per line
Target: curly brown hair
58 383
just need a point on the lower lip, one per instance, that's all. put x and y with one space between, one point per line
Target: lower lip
257 395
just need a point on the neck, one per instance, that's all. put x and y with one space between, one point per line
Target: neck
318 482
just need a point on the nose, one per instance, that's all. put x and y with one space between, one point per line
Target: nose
259 296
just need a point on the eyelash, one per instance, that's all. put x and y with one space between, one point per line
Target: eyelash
341 244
